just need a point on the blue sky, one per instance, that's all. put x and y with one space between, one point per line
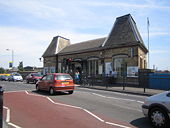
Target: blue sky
28 26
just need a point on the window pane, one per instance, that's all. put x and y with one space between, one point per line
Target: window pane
63 77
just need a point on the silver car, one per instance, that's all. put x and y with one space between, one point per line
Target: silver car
15 77
157 108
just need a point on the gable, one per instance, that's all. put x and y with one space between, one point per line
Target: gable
56 45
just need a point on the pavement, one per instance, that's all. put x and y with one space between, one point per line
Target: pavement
130 90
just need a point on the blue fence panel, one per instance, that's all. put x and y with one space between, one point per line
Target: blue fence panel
159 81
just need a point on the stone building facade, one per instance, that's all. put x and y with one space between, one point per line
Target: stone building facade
121 52
50 56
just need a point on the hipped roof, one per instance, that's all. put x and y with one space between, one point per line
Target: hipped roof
53 49
123 33
83 46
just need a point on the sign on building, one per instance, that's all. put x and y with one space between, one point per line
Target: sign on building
132 71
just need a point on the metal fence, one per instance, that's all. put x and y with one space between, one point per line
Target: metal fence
107 81
144 80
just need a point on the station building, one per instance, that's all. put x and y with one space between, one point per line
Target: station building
122 51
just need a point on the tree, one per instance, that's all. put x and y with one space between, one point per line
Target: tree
2 70
20 67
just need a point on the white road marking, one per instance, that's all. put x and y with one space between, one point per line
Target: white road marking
14 125
121 99
94 115
63 104
8 114
117 98
119 93
99 95
140 102
8 118
105 90
98 118
16 91
122 126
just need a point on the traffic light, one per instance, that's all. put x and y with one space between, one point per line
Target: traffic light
68 61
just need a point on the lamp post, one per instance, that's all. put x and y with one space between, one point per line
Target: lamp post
12 56
148 24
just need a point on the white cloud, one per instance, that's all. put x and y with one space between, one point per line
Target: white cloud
29 45
127 5
36 8
68 19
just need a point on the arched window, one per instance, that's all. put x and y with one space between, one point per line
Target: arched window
93 66
120 65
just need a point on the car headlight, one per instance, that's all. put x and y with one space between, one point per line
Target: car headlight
146 101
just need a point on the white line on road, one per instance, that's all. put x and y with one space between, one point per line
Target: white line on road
8 114
117 98
16 91
140 102
119 93
99 95
8 118
98 118
122 126
16 126
93 115
63 104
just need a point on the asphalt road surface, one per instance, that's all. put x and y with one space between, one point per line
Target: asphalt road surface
85 108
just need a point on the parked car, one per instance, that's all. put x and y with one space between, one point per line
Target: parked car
56 82
3 78
33 77
15 77
157 108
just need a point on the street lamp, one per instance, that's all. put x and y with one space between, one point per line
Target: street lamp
12 56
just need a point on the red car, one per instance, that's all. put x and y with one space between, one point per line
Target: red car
33 77
54 82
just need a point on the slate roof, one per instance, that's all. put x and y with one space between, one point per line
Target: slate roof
52 49
124 32
83 46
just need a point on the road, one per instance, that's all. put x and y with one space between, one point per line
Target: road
89 107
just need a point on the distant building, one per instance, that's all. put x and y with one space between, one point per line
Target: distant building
28 68
122 49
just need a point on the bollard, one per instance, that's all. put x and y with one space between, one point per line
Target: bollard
1 107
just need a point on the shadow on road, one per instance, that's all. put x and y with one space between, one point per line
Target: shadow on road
45 93
141 123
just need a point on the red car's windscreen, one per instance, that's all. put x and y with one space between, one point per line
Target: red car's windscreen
63 77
